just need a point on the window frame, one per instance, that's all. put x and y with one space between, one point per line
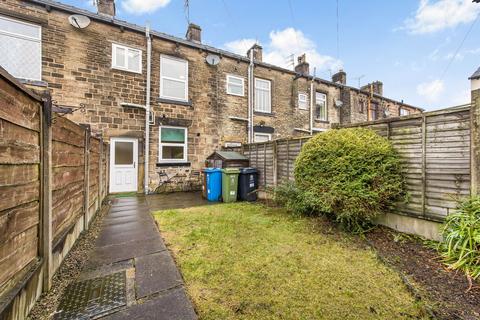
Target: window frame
405 110
28 38
127 67
269 92
326 105
172 144
162 95
299 101
230 76
269 135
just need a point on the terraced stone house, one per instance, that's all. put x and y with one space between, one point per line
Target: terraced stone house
175 100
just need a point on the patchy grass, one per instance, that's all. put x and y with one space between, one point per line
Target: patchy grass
246 261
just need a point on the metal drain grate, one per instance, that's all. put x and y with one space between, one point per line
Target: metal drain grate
93 297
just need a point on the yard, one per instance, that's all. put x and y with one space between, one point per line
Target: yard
247 261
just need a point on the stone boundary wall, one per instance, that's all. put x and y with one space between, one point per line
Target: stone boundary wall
53 179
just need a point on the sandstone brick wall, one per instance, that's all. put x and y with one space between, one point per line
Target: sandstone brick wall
77 69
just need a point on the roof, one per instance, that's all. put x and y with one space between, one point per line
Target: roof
134 27
476 75
229 155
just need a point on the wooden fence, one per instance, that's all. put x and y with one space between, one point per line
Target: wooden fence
435 148
53 178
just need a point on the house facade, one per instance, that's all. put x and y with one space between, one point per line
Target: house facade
175 100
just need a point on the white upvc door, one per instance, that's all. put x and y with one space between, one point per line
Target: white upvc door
123 164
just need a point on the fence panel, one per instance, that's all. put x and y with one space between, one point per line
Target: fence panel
434 147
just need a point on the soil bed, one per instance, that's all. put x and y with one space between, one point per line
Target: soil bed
442 289
69 270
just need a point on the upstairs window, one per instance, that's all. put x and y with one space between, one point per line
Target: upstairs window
404 112
173 78
235 85
127 59
21 48
303 101
263 97
173 144
321 106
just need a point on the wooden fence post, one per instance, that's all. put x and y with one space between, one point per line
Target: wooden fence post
424 163
45 243
475 137
275 163
86 181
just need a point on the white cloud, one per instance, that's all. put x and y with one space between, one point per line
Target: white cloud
462 54
433 16
432 90
240 46
284 43
143 6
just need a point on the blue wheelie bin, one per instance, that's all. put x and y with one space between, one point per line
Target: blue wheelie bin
213 184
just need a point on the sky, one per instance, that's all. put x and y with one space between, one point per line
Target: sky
422 50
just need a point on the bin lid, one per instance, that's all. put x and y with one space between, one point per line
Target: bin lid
210 170
248 170
230 170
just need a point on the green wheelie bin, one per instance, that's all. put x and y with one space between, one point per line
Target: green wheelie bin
229 184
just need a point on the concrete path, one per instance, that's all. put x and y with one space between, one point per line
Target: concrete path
130 241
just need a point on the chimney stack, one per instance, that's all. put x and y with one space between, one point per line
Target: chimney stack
302 67
257 52
194 33
377 87
340 77
106 7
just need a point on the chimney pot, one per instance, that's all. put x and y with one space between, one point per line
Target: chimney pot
257 52
302 67
194 33
340 77
106 7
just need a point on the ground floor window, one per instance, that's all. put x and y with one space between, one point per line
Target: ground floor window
262 137
173 144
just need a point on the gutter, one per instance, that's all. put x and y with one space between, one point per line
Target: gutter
147 106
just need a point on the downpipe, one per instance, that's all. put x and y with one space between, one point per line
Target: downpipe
147 107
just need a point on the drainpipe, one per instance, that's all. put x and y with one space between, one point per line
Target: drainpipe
147 106
312 96
250 98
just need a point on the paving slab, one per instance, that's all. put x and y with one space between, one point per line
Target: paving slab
156 273
173 305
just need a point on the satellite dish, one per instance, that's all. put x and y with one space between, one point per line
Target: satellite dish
79 21
212 59
338 103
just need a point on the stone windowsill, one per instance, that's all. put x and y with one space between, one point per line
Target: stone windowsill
180 103
173 164
264 114
322 121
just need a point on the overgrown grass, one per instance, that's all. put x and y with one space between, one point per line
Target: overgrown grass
246 261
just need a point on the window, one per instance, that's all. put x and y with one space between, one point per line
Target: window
303 101
361 106
261 137
173 144
235 85
125 58
373 111
263 98
21 48
321 106
173 78
404 112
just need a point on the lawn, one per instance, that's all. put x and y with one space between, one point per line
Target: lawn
247 261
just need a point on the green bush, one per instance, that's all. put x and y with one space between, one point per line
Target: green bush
289 196
461 238
353 174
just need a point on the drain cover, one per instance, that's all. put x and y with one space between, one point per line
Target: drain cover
93 297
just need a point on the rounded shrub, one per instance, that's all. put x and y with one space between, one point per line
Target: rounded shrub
353 174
